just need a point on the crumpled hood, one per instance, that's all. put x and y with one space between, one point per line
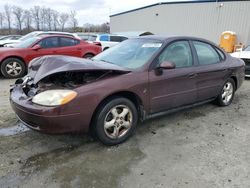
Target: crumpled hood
42 67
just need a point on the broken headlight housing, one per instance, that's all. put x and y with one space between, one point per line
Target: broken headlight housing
54 97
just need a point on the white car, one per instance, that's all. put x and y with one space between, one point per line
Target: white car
245 56
9 39
106 40
40 33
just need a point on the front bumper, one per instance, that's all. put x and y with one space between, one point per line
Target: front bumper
45 119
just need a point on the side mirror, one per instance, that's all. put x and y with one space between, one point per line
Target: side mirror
36 47
164 65
167 65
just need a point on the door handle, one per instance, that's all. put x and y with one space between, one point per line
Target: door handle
192 75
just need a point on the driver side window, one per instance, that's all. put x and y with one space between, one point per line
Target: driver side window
50 42
179 53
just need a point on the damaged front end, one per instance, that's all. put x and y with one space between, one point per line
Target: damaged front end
62 80
43 100
62 72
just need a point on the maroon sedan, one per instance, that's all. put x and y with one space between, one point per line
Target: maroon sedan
14 61
135 80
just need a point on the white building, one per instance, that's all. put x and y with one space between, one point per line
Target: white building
206 19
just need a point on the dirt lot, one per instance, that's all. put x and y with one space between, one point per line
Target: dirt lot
206 146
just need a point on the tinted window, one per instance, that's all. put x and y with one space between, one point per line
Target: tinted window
117 38
178 53
68 41
51 42
104 38
206 53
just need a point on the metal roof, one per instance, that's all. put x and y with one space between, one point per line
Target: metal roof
176 2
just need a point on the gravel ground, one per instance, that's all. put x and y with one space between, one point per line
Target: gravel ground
207 146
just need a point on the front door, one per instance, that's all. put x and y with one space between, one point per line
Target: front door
48 45
173 87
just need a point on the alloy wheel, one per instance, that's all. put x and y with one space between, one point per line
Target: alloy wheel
118 121
227 92
13 68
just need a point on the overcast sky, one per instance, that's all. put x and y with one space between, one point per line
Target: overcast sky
88 11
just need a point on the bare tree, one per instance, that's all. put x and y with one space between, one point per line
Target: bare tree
1 20
63 20
55 21
27 20
19 14
43 14
7 10
49 18
73 19
36 16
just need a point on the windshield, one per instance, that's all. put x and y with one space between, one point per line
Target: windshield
30 35
132 54
247 48
27 43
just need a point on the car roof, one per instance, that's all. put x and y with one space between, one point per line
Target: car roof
56 35
168 38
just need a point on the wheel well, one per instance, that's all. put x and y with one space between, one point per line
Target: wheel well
235 81
135 99
17 57
89 54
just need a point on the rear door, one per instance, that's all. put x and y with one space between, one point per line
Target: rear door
212 70
69 46
173 87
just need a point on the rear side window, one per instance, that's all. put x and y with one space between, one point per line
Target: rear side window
104 38
51 42
206 53
222 55
68 42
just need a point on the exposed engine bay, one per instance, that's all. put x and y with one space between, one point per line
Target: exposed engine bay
62 80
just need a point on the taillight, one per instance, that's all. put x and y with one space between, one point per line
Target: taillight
97 43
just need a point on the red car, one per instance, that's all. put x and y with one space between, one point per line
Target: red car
14 61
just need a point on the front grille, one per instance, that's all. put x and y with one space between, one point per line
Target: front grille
247 61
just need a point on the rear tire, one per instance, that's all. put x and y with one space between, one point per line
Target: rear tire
115 121
227 93
88 56
13 68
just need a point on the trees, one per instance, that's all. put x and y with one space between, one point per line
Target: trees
19 15
73 20
16 19
1 20
27 20
36 16
63 19
7 10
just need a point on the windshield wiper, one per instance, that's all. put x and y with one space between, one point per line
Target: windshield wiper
106 61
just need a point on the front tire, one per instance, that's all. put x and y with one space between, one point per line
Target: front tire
115 121
227 93
13 68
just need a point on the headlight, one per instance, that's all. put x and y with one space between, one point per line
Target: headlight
54 97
